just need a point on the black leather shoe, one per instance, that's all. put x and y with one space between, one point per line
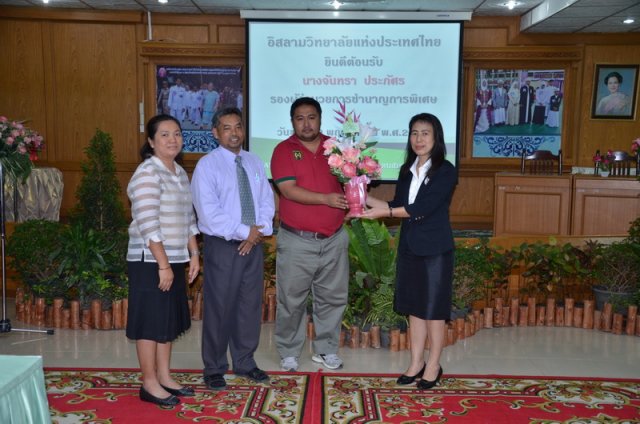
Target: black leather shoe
255 374
426 384
408 379
183 391
171 400
215 381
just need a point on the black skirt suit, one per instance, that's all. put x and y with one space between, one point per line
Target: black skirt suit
424 269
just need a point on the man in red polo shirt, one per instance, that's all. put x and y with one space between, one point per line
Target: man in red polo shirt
312 246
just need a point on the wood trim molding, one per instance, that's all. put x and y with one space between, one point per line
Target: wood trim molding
537 53
164 50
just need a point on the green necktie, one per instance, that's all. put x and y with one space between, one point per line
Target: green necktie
246 199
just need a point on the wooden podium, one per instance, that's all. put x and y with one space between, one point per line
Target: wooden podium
604 206
578 205
532 204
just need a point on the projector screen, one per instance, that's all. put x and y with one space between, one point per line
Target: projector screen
385 72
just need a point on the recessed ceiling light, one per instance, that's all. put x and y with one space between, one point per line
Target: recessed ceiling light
511 4
163 1
628 21
45 1
336 4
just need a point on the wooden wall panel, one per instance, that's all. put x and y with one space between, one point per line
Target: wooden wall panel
95 86
79 71
480 37
22 91
195 34
231 34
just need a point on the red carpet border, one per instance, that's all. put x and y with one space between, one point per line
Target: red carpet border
111 396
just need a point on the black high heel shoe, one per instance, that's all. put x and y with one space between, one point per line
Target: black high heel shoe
426 384
171 400
183 391
408 379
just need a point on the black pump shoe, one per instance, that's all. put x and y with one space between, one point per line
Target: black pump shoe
408 379
426 384
183 391
171 400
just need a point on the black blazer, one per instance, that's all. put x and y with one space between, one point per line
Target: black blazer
427 231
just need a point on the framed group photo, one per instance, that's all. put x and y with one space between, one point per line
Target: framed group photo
517 111
193 94
615 89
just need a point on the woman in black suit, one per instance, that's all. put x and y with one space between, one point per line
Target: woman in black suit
424 267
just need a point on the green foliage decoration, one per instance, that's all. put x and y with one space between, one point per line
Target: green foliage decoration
548 266
99 206
372 254
33 251
472 272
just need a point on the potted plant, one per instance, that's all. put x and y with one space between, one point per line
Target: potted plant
83 263
34 249
618 275
548 267
99 206
472 273
373 260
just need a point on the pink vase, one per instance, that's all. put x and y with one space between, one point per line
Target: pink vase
356 192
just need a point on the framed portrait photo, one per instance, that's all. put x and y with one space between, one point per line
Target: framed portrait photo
615 90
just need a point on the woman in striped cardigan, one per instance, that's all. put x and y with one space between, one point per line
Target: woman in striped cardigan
162 238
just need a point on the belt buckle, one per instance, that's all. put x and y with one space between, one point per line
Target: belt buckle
315 236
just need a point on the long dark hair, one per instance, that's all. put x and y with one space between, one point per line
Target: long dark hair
152 128
439 150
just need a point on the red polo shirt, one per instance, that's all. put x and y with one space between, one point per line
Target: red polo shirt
292 160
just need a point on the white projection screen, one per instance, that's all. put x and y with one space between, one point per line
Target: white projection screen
385 72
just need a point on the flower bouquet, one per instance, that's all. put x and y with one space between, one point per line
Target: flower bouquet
603 162
19 147
348 160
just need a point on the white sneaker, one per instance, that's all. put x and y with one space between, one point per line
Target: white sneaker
290 363
330 360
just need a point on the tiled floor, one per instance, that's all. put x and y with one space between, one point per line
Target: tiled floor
505 351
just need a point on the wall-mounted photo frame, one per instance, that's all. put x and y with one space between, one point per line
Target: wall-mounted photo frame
615 89
221 64
193 94
517 110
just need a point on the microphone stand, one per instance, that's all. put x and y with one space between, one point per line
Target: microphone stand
5 323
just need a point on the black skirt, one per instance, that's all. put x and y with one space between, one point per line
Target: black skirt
424 285
154 314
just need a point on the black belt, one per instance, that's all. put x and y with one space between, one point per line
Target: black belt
309 235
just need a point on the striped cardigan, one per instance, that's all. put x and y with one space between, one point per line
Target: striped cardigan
162 211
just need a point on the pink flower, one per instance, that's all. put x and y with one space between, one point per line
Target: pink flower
351 154
370 165
10 141
21 149
3 119
349 170
335 161
329 144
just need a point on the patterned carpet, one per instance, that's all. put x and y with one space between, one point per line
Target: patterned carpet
111 396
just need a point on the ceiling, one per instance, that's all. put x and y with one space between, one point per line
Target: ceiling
536 16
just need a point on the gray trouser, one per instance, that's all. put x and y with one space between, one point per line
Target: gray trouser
233 287
322 268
